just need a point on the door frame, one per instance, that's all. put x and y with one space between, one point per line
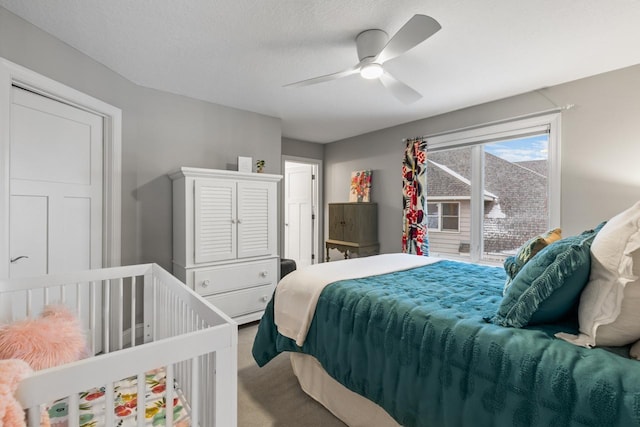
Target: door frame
12 74
319 211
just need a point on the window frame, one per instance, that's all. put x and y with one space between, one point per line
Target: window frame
476 136
441 216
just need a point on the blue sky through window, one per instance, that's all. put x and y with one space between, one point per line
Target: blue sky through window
522 149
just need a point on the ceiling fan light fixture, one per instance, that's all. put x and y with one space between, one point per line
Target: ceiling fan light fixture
371 71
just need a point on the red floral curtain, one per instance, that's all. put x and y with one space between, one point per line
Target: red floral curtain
415 239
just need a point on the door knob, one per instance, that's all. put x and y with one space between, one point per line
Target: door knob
18 257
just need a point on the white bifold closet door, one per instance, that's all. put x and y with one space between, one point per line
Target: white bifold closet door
55 218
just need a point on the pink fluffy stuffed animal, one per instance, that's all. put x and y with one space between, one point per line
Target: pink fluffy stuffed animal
12 371
52 339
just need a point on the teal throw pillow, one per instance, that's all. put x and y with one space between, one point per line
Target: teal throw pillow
548 286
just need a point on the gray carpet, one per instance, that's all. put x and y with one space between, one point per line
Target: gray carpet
271 395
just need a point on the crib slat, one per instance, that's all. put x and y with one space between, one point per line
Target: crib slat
120 312
106 318
109 405
148 301
73 407
133 311
155 309
225 381
29 302
169 389
140 403
211 407
92 316
195 392
78 300
34 416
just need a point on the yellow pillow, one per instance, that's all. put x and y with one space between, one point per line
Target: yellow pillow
536 244
514 264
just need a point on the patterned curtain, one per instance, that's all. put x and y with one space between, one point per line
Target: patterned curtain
415 239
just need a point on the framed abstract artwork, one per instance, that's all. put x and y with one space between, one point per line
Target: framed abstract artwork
360 186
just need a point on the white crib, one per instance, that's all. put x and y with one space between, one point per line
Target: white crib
193 341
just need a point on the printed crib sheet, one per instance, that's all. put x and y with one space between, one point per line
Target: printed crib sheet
92 404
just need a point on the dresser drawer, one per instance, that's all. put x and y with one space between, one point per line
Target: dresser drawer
245 301
227 278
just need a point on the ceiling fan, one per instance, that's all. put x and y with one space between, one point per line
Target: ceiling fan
375 48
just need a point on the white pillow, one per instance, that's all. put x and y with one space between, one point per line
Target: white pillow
609 311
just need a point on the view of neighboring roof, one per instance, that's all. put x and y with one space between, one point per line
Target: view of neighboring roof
506 180
517 190
450 184
539 166
442 183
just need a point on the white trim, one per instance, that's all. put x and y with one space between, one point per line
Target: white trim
206 173
554 157
476 244
505 130
319 210
533 116
12 74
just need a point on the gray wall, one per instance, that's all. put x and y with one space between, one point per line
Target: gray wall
600 147
160 132
297 148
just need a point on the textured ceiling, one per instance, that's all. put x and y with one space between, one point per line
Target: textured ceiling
240 53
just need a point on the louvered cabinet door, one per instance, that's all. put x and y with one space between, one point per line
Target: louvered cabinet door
256 219
215 220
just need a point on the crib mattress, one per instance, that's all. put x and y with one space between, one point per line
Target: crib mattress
92 404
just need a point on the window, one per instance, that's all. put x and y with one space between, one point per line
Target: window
443 216
494 186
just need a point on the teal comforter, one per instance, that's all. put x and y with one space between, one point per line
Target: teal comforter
415 343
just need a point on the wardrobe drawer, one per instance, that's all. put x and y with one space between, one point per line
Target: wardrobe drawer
227 278
246 301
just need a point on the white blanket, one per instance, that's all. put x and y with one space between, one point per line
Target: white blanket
297 293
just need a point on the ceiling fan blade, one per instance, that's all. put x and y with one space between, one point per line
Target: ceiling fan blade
326 77
415 31
400 90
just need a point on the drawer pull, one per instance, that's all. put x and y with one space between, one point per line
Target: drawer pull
206 283
263 273
264 298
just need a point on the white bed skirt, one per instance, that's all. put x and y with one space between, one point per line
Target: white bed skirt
353 409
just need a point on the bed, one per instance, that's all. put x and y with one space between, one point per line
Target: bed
398 339
182 358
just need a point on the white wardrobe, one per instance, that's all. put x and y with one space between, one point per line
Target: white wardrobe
225 237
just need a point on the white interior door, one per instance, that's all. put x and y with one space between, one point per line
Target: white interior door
298 215
55 180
